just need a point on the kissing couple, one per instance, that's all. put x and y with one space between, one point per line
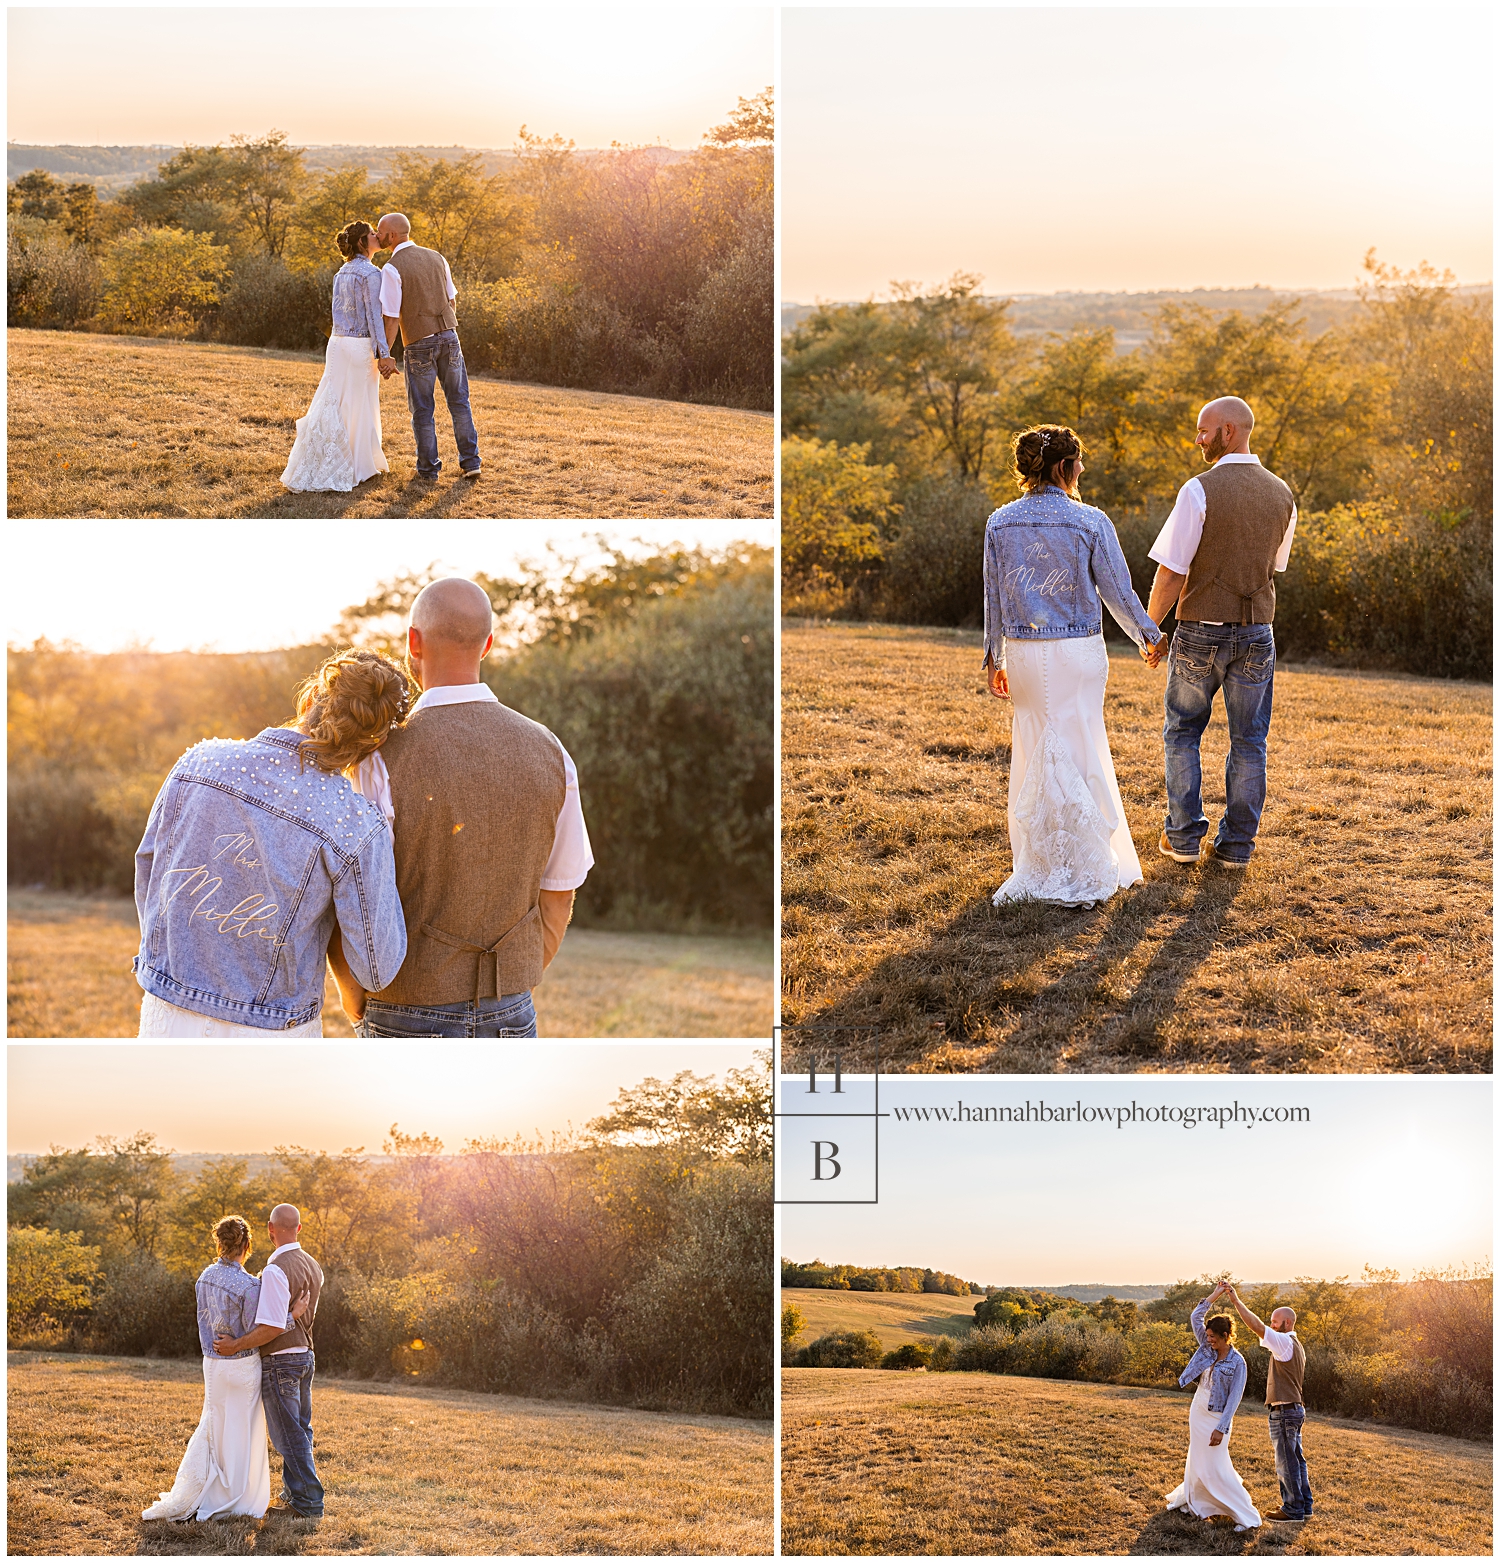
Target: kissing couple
257 1338
428 849
1211 1487
338 443
1049 559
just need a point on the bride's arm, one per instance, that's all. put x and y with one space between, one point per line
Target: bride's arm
351 995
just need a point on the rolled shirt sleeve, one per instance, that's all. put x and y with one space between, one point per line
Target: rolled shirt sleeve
390 291
275 1298
572 857
1284 553
1278 1343
1177 542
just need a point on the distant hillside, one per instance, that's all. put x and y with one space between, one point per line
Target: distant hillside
1035 314
113 168
188 1163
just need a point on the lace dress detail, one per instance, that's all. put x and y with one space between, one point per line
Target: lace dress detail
321 458
1062 848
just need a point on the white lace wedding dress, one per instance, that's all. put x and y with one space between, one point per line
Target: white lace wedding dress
338 443
1210 1484
1069 839
225 1468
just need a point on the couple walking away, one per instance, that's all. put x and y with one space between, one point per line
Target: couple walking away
1210 1484
1048 560
338 443
257 1340
430 849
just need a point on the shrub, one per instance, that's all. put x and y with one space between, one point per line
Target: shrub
934 571
834 508
267 304
669 720
914 1354
843 1349
943 1354
50 281
1157 1353
49 1276
161 280
726 328
145 1310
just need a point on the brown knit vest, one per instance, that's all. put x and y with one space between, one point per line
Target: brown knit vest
425 305
477 789
303 1274
1284 1379
1230 579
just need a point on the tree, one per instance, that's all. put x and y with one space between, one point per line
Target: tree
792 1323
695 1115
49 1275
753 123
836 507
36 194
476 219
265 176
162 279
140 1180
335 198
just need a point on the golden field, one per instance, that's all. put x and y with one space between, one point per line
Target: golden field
70 976
896 1317
971 1464
1357 940
407 1470
134 426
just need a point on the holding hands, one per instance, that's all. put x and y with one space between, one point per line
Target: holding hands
1152 655
387 367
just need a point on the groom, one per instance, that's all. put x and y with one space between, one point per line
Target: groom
1228 534
286 1360
490 839
417 293
1284 1406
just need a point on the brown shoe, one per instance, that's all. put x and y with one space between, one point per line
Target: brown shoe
1215 856
1165 847
1281 1514
286 1511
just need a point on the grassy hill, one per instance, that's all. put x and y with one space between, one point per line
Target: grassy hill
1357 941
407 1470
69 976
972 1464
130 426
896 1317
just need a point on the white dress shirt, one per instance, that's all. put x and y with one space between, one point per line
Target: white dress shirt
572 857
1176 544
1279 1343
276 1297
390 284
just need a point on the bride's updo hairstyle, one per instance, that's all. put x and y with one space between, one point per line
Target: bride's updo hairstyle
232 1235
1037 454
351 237
1221 1325
349 706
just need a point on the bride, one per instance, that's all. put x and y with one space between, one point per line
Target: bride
338 442
1048 560
225 1469
1210 1484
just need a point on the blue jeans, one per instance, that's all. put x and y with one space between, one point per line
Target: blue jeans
511 1015
434 358
1240 659
286 1394
1291 1468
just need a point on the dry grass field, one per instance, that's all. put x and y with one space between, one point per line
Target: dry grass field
407 1470
1357 940
974 1463
896 1317
130 426
69 959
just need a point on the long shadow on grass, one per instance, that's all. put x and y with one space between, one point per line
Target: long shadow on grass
1179 1535
986 978
236 1535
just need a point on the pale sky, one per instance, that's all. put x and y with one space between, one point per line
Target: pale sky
1392 1171
378 75
202 586
215 1098
1081 149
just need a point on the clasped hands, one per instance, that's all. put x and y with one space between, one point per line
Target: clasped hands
1152 656
387 367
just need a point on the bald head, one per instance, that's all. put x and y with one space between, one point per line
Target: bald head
455 612
392 229
1224 428
285 1221
1283 1318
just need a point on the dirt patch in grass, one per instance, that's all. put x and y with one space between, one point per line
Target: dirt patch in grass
974 1463
70 976
1357 940
407 1470
126 426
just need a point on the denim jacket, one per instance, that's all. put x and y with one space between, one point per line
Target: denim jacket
1227 1383
1048 559
356 303
227 1300
248 861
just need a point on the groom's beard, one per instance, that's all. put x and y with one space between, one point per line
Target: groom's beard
1215 448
